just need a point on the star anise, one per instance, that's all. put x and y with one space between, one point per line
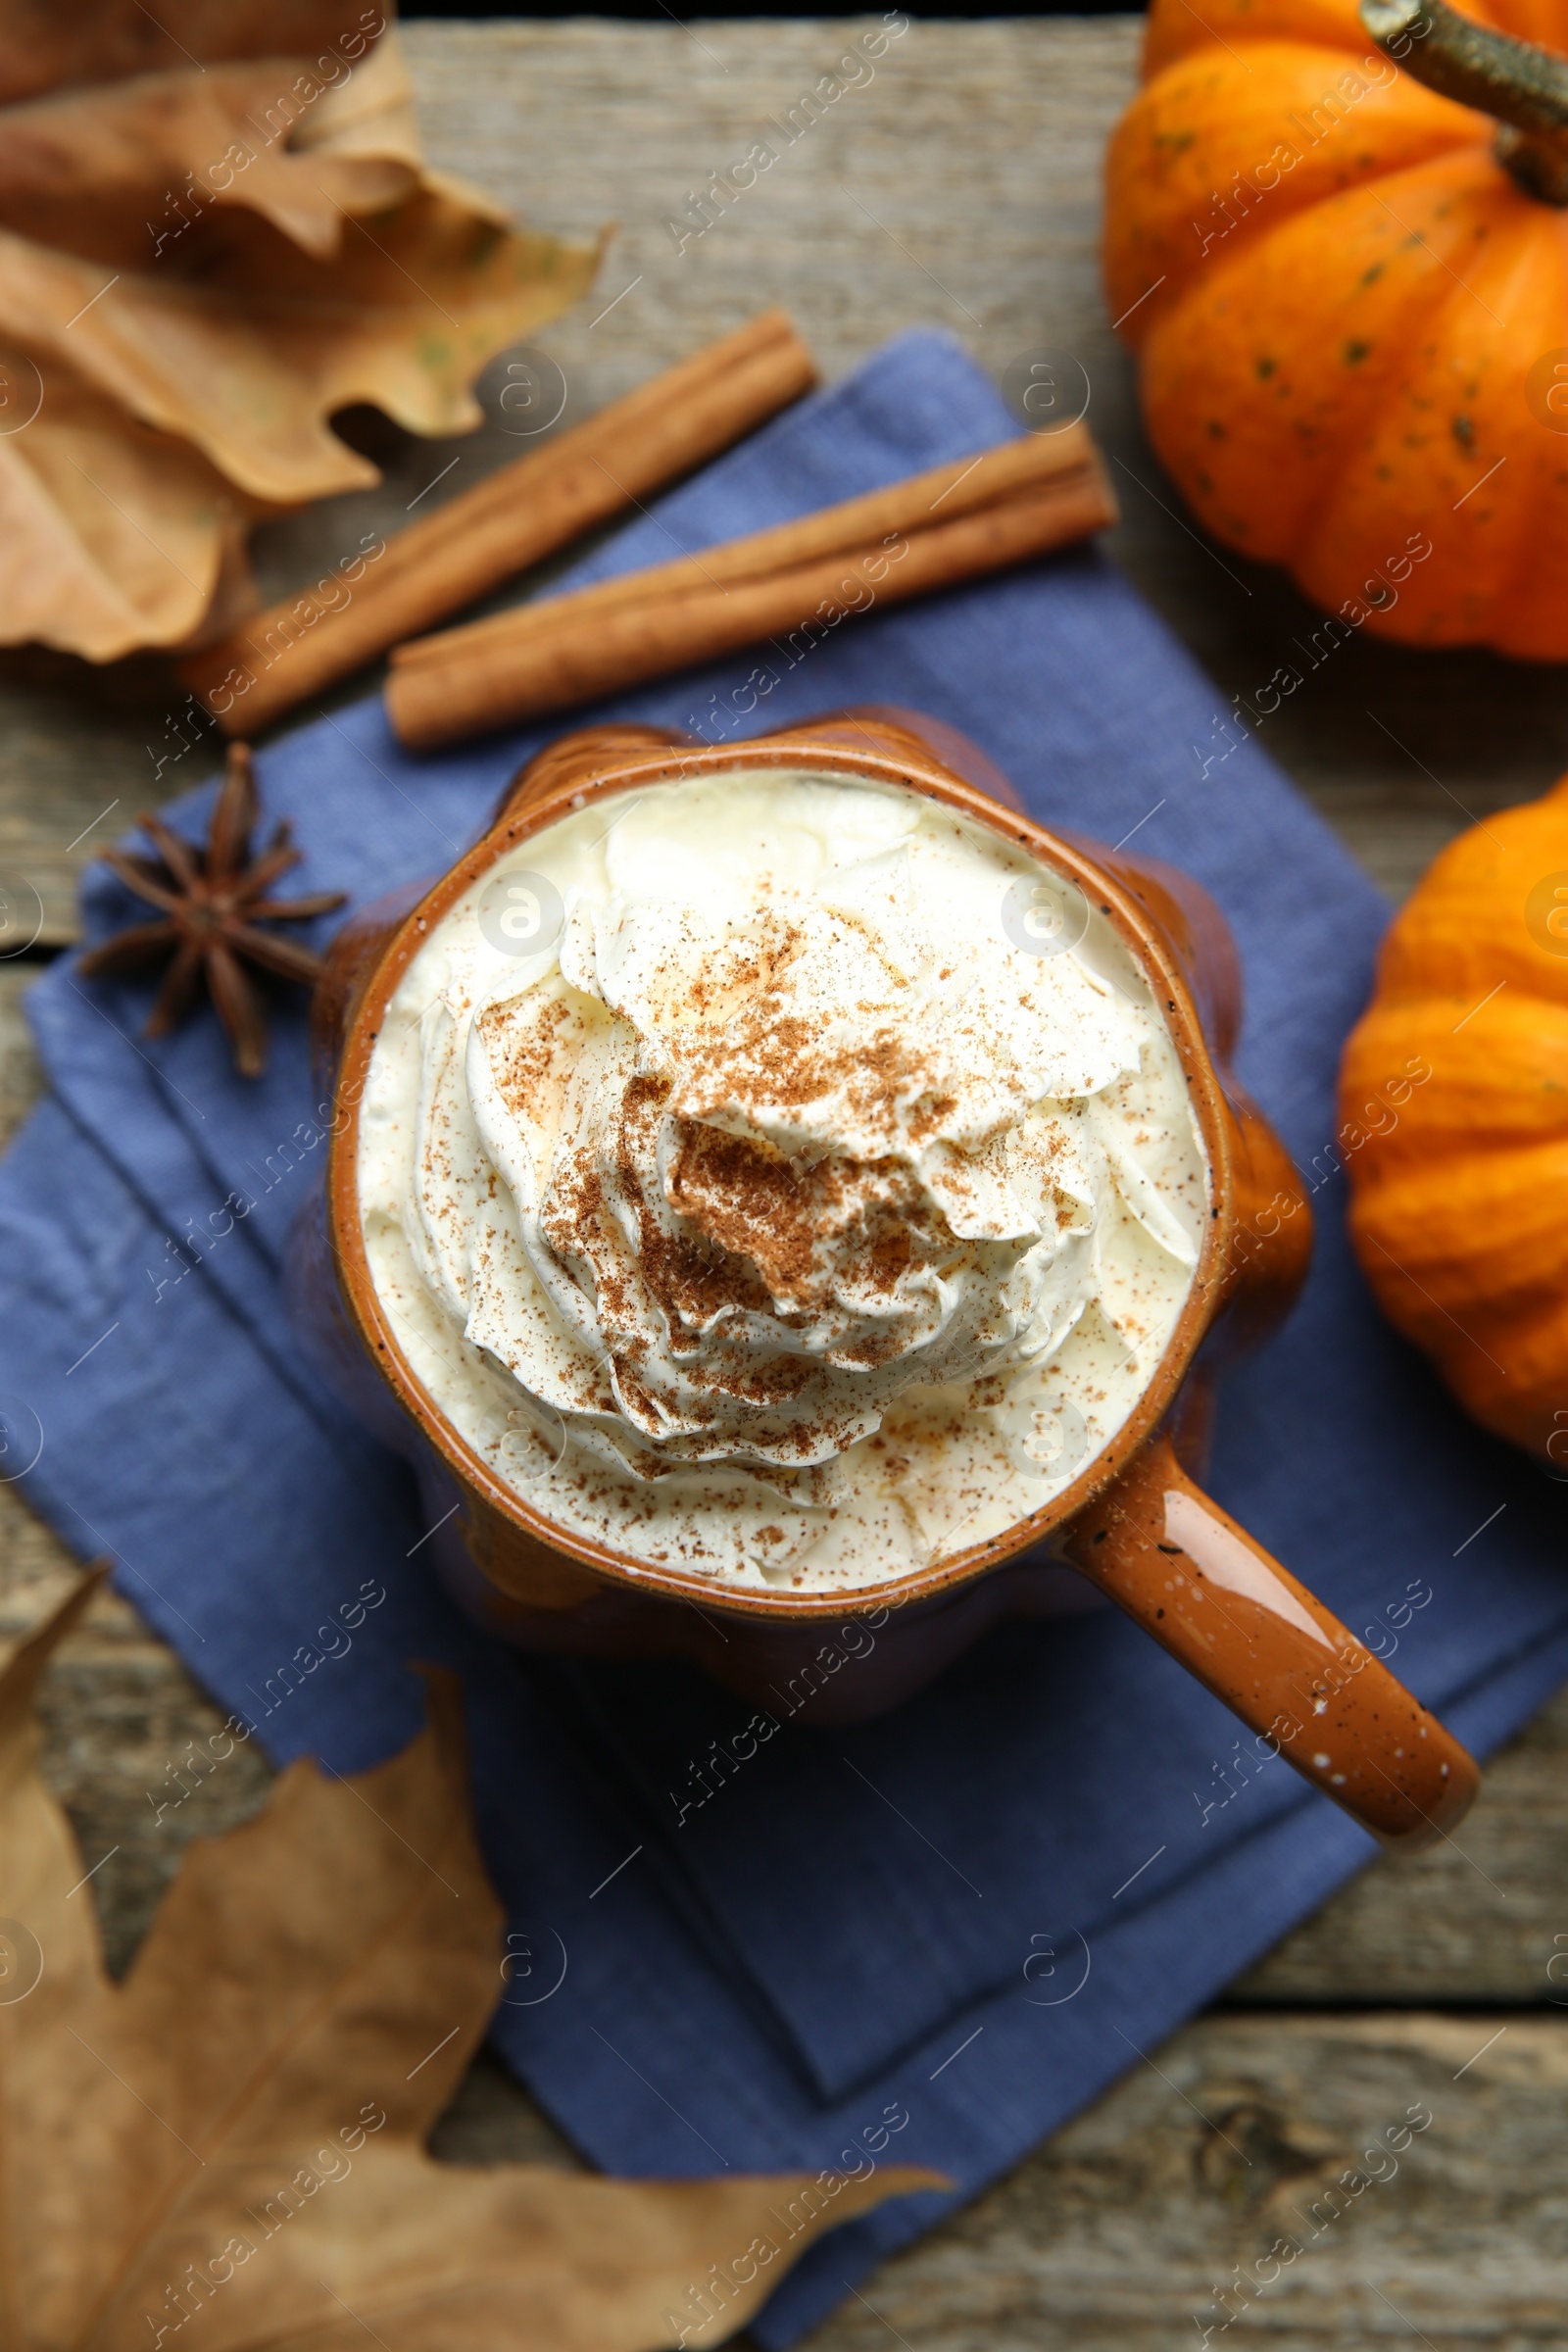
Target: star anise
213 901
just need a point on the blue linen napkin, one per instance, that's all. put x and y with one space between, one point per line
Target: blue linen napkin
933 1936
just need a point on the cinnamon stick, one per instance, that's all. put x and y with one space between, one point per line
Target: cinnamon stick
802 579
512 520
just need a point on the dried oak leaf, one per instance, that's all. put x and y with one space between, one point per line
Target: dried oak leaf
100 173
234 2135
111 536
44 46
197 269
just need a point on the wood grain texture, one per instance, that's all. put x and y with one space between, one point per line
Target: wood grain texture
1239 2138
960 187
1472 1920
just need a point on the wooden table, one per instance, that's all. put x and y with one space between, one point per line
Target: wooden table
960 187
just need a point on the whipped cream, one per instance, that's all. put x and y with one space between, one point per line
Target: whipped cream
779 1177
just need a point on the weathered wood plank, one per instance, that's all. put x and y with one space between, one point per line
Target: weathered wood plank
1117 2232
1475 1919
20 1080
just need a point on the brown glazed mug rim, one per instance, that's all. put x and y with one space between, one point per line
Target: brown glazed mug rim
927 776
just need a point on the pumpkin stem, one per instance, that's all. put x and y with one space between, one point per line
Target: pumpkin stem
1523 86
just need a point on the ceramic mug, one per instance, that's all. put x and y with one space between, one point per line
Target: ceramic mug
1134 1522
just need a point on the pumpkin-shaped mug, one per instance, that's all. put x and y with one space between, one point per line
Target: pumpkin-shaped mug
1128 1516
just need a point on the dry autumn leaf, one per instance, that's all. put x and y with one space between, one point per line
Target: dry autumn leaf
112 535
235 2133
101 172
198 268
44 46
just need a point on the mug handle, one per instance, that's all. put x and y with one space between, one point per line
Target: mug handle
1184 1570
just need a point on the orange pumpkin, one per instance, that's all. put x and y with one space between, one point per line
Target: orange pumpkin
1349 300
1453 1107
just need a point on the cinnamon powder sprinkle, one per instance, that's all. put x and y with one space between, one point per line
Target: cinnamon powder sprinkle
816 1205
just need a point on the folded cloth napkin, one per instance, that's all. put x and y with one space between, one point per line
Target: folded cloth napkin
931 1937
